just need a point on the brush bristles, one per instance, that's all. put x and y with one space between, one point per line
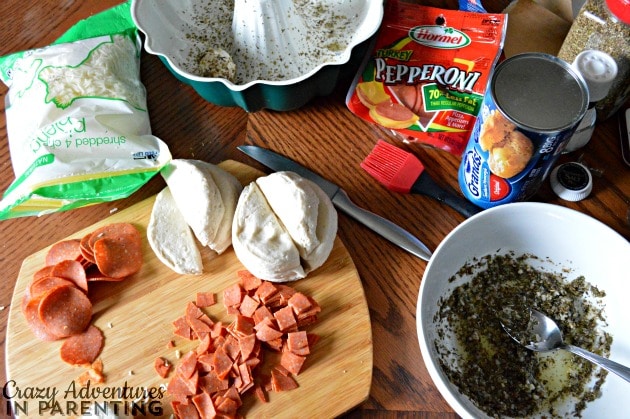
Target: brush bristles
393 167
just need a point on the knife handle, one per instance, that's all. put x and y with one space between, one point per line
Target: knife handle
380 225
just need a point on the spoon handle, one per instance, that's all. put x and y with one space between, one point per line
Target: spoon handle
607 364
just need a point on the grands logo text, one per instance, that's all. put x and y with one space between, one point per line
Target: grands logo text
76 400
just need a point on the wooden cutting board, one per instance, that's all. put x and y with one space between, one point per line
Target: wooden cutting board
135 316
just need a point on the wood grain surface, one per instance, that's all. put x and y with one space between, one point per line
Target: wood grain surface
327 138
135 316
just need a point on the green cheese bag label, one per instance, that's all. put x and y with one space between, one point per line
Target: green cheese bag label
77 123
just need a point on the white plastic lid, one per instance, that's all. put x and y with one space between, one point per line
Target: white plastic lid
571 181
599 71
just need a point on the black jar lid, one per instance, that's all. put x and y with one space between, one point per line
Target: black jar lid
571 181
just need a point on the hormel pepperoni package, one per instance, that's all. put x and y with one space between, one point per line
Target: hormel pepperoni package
427 74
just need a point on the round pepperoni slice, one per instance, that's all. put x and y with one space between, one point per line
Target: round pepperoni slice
43 285
115 230
30 309
65 311
86 250
94 275
43 272
73 271
118 257
63 250
84 348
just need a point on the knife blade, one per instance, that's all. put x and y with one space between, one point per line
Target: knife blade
341 200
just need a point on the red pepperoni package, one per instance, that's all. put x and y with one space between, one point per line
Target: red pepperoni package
426 77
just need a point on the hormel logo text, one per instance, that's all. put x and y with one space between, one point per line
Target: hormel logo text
439 37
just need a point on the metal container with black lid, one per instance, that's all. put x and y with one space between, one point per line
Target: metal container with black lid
532 106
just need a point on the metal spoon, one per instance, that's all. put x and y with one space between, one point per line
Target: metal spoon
542 334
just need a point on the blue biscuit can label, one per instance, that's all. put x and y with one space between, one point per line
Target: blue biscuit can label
532 106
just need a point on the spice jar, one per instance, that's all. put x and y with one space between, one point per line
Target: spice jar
603 25
599 70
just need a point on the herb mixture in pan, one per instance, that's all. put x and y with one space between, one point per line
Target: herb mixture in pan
321 29
496 373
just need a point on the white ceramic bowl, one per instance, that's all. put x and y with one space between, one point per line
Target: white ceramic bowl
168 24
569 239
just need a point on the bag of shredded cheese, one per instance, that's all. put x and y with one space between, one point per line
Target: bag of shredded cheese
77 120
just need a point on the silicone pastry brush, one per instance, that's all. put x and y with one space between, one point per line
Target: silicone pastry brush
402 172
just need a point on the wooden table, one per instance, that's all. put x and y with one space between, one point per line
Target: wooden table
326 137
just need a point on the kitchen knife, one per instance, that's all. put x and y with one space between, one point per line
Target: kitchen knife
341 200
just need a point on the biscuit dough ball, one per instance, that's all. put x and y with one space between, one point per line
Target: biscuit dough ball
284 227
260 241
170 236
217 62
229 188
206 195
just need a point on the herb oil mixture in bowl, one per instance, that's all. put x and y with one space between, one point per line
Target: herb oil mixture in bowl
499 375
515 257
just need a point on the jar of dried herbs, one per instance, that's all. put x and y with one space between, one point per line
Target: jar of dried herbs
603 25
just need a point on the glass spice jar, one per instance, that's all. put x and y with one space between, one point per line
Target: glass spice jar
603 25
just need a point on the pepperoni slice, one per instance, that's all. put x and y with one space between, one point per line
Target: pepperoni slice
285 319
204 405
232 296
186 410
84 348
297 342
65 311
266 333
281 382
205 299
73 271
43 285
395 111
292 362
30 309
114 230
118 257
43 272
86 250
162 366
248 306
188 365
248 280
94 275
63 250
222 363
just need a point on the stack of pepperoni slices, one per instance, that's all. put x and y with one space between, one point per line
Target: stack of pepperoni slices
56 303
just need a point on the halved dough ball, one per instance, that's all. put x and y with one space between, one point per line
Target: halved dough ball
230 189
170 236
284 227
326 232
206 195
294 201
197 196
260 241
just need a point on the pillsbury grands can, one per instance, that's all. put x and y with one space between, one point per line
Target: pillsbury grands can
532 106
